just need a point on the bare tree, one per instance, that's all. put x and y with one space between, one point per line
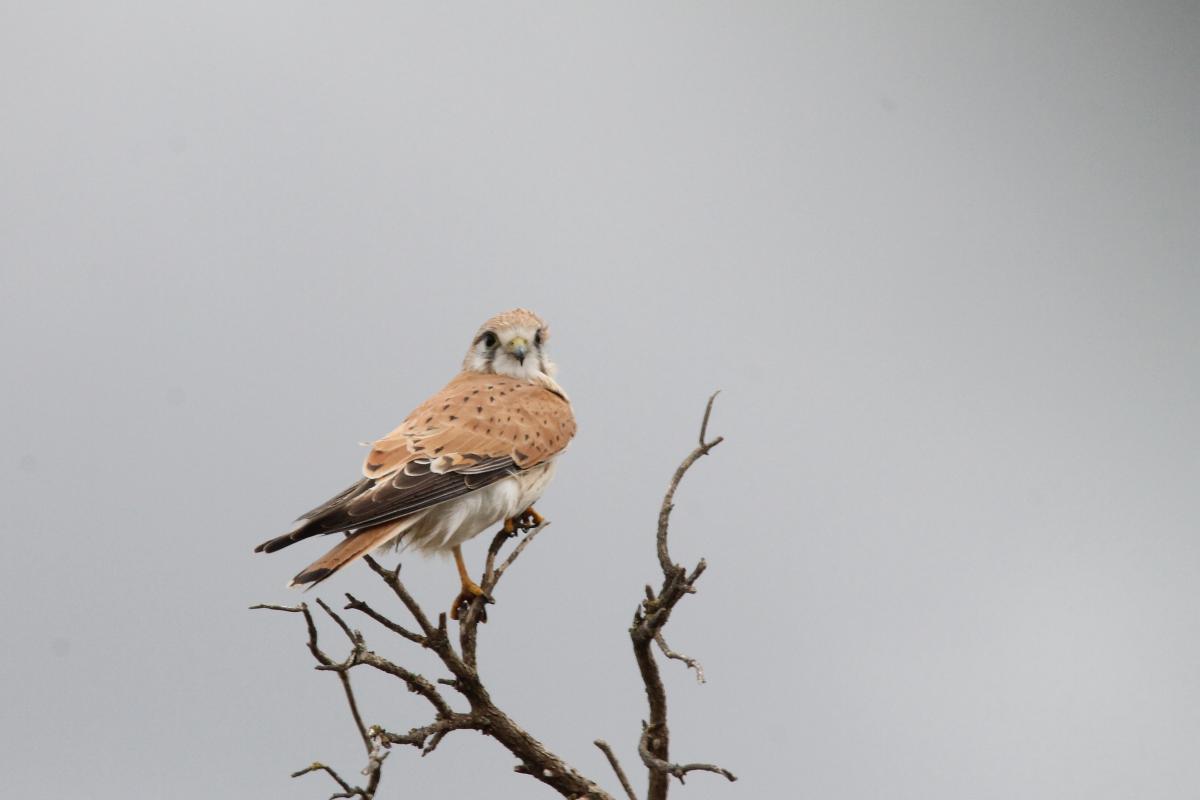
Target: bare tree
482 714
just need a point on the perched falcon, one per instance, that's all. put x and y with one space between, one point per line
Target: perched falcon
479 452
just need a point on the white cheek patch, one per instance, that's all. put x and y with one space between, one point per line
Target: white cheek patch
477 360
497 359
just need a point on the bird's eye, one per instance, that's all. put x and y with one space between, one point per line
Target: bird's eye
537 338
489 340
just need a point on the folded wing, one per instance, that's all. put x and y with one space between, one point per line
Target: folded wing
477 430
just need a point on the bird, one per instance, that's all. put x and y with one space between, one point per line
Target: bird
478 453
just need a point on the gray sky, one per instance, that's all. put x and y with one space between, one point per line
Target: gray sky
940 258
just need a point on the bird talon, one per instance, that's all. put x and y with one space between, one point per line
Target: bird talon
470 590
527 520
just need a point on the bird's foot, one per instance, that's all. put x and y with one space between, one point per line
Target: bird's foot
470 590
527 520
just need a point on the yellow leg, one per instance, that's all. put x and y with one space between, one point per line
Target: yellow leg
470 589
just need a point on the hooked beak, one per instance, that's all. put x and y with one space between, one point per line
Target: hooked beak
518 347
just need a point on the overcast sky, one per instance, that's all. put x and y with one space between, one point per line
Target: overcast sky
941 258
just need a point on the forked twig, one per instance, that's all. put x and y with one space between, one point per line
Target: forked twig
662 767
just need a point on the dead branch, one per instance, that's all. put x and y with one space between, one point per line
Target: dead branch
669 653
373 744
347 789
427 737
481 713
678 770
616 765
668 503
648 622
354 604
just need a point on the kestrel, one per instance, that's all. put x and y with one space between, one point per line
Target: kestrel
479 452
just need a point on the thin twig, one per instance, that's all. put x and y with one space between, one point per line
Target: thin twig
354 636
316 651
468 635
344 676
417 684
669 653
354 604
520 548
664 514
662 767
347 789
616 765
343 673
392 579
374 754
489 565
704 423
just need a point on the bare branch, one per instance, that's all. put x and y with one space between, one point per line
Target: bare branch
661 767
616 765
321 658
468 635
344 676
704 423
375 754
668 503
520 548
489 566
669 653
418 684
354 636
652 616
347 789
392 578
271 607
355 604
428 737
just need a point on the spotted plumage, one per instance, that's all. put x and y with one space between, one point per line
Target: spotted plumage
475 454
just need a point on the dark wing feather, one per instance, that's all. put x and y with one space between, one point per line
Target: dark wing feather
371 502
352 491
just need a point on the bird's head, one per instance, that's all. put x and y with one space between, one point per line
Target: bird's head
512 343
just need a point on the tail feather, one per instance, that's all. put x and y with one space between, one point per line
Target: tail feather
349 549
303 530
321 520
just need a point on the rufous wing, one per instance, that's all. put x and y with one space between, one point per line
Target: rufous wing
477 418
